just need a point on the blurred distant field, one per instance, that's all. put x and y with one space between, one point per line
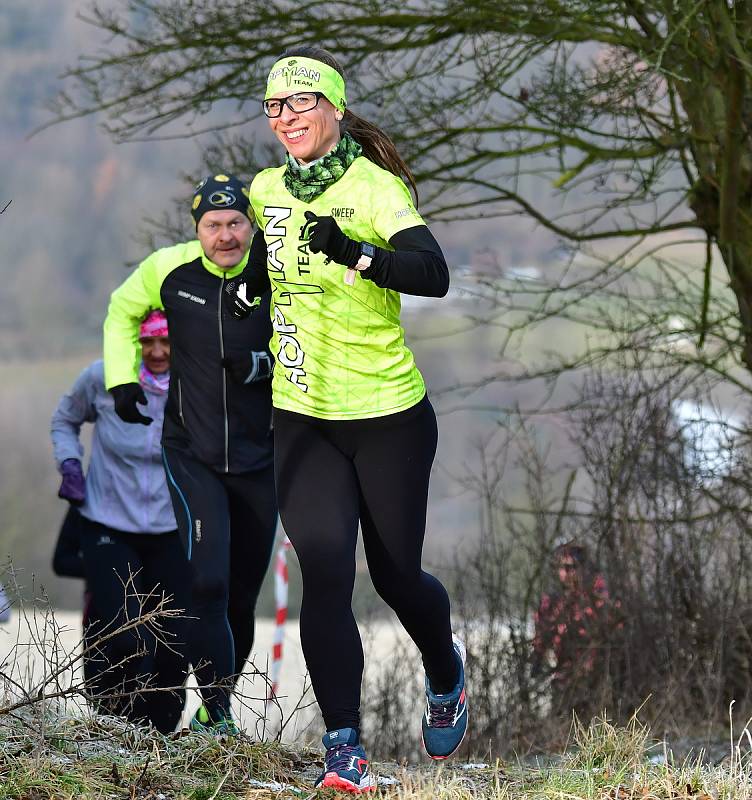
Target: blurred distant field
29 507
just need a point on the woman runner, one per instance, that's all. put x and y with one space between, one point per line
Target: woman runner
132 556
355 434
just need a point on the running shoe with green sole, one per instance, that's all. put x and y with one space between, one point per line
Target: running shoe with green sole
203 723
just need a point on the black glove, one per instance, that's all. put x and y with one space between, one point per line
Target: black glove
126 396
258 366
325 236
235 299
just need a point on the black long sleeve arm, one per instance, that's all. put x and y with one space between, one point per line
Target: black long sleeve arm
417 265
255 274
243 292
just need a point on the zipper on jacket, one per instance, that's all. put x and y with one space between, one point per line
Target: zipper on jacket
180 402
148 499
224 374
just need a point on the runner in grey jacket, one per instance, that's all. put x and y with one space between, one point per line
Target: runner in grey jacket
125 484
131 550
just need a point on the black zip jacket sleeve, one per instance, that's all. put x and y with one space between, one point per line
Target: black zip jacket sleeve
417 265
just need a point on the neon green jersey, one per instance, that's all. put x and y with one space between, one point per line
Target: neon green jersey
340 349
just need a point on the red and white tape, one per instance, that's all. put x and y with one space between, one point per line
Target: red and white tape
281 582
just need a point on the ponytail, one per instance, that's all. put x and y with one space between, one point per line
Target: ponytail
377 146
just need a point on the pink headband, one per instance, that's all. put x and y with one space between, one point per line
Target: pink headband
155 324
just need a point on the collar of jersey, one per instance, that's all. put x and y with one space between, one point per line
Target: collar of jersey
210 266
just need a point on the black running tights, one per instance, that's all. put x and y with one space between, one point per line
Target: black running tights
128 574
330 476
227 525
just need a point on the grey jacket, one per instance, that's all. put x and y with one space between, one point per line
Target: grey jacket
125 484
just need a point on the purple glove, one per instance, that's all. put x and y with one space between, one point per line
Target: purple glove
73 487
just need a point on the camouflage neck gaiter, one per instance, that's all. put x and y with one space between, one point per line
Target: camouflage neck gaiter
307 183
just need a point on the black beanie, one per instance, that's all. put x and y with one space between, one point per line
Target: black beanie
220 193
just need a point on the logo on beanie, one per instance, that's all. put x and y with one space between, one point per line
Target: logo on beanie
222 199
221 191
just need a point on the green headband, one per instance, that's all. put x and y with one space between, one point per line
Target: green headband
297 74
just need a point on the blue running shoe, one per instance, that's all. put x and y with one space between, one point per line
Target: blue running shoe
444 722
345 763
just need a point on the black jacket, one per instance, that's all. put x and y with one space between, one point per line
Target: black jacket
211 414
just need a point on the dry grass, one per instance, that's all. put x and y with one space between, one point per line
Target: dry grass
76 758
53 748
108 758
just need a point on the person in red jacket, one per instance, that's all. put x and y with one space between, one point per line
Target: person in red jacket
574 626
